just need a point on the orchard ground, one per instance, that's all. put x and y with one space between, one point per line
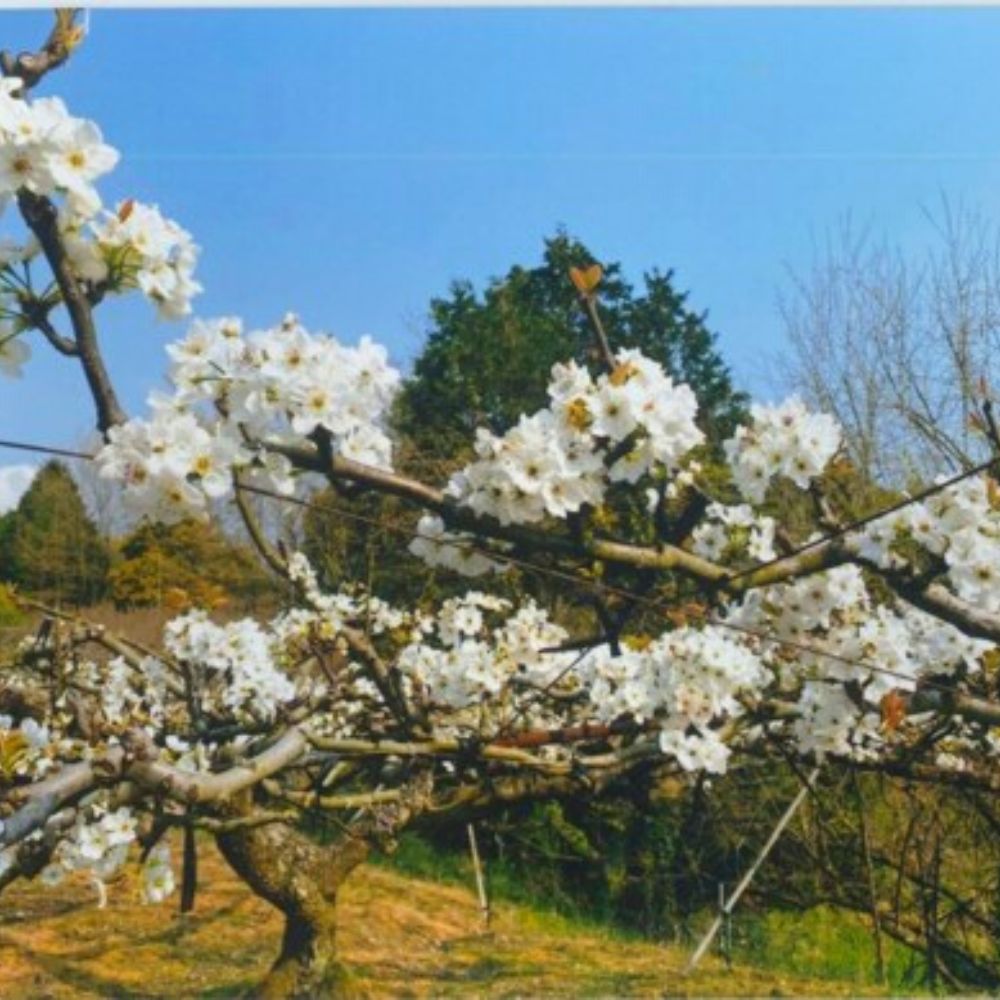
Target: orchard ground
401 937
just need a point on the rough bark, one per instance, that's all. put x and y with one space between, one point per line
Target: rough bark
301 879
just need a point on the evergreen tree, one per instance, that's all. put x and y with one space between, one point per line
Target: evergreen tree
488 357
6 534
487 360
49 545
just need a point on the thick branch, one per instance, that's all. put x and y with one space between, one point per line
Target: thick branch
943 604
185 786
44 798
132 763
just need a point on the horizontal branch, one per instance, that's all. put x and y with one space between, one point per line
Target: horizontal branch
933 598
359 800
456 517
940 602
132 763
249 821
955 703
188 787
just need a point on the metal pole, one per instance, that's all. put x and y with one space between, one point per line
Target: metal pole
727 907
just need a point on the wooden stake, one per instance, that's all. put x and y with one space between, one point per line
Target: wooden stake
727 907
484 900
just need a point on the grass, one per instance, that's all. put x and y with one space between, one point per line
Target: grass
400 936
418 858
822 942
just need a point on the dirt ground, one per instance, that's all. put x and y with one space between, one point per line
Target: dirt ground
400 937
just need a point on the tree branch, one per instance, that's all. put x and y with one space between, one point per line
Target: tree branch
943 604
64 345
30 67
42 219
267 551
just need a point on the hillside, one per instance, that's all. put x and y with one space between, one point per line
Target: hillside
401 936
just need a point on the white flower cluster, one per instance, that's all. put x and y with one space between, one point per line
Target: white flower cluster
961 524
538 467
785 440
686 680
170 466
44 150
140 246
33 739
840 637
463 662
241 675
831 722
454 550
795 610
122 701
555 461
47 151
330 612
734 531
278 385
100 846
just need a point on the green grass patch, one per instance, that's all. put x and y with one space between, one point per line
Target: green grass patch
823 942
551 911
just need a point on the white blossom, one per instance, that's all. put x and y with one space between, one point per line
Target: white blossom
785 440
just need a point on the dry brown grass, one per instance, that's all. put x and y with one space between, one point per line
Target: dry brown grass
401 938
143 625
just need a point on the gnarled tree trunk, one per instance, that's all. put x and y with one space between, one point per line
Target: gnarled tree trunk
300 878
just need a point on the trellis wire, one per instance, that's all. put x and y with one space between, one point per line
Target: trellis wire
862 522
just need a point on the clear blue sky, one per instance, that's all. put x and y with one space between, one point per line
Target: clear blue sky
350 164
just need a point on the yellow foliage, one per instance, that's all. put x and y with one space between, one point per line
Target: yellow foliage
10 614
13 750
183 566
637 642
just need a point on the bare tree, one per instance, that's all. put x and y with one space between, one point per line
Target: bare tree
897 344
